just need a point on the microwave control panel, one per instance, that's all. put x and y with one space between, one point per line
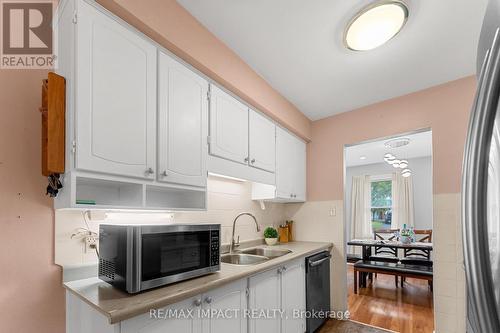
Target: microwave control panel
214 247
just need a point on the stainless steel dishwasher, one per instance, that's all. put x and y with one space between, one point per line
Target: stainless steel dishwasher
317 289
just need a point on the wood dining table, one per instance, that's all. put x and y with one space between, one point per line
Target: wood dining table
368 244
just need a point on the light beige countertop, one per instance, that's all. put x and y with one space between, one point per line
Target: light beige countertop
117 305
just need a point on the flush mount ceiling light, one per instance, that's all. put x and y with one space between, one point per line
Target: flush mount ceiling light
397 143
375 24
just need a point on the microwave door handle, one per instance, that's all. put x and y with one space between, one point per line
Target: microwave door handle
480 288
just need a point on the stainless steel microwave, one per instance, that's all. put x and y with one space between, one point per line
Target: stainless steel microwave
135 258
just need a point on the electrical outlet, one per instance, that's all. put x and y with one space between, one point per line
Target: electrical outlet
333 211
90 243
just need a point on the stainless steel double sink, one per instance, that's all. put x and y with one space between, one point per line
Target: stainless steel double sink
253 256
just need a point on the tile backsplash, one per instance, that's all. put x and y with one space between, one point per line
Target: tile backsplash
226 198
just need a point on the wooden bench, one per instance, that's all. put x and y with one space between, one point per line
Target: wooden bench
389 268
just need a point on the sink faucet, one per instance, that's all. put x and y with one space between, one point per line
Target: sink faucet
236 244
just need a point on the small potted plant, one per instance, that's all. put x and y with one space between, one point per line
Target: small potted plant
270 236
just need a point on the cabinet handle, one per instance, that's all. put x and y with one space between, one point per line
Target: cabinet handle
150 171
208 300
280 270
164 173
291 195
252 161
197 302
246 159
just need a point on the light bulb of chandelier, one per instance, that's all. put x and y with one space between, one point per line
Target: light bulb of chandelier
406 173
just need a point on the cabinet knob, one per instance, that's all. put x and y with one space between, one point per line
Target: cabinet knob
246 159
280 270
208 299
295 195
197 302
150 171
291 195
252 161
164 173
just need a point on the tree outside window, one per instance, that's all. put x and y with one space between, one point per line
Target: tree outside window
381 204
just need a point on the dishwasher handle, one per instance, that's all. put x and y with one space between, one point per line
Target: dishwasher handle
319 262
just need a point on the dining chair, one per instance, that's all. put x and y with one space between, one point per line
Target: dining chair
385 254
419 256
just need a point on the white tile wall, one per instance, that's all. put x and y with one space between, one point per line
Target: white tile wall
313 222
226 198
449 275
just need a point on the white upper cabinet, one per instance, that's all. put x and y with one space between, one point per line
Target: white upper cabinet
262 142
290 171
228 127
182 124
116 97
299 170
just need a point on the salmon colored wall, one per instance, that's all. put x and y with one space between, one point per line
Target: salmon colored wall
31 292
444 108
169 24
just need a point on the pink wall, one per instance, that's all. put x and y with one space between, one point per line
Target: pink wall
444 108
31 292
168 23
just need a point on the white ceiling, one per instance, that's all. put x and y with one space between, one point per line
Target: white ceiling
420 146
296 45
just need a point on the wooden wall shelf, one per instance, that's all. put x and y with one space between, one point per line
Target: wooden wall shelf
53 111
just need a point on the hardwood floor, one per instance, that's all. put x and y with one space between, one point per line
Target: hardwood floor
405 310
348 326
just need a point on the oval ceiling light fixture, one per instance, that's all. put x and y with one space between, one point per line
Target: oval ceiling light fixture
403 164
375 24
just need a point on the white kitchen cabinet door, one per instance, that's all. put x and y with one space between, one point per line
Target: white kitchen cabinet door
290 167
228 127
293 297
299 184
174 318
228 300
115 98
265 294
183 124
285 148
262 142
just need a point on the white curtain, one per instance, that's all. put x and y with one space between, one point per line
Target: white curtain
402 201
361 226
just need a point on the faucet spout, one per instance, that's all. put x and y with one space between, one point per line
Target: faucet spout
233 242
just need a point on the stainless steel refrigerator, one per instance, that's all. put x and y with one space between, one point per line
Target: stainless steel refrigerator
481 185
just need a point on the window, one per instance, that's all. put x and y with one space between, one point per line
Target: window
381 202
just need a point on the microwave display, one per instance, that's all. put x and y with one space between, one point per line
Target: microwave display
173 253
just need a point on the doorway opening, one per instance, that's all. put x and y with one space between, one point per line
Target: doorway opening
388 231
